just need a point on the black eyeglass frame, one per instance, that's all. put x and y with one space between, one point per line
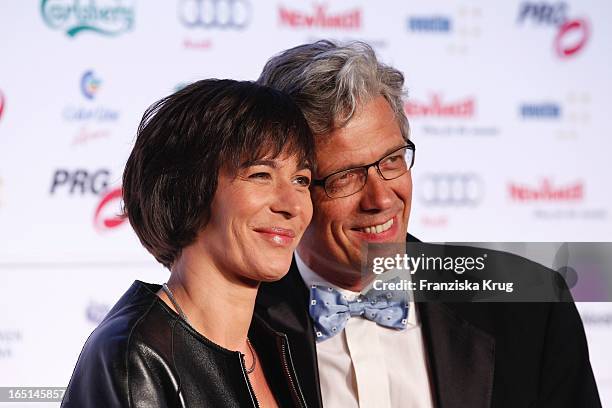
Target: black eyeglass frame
410 146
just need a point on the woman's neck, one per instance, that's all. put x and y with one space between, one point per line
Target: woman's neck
218 305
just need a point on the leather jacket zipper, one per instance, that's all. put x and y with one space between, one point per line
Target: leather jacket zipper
248 382
287 363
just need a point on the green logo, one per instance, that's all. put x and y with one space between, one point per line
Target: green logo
105 17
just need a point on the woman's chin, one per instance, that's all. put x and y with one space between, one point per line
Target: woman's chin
274 271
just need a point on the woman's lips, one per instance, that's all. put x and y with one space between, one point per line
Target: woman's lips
277 235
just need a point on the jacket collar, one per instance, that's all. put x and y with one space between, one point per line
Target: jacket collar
284 306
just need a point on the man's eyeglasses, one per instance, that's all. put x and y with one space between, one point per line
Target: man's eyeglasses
347 182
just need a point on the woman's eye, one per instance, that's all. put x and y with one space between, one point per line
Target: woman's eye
260 176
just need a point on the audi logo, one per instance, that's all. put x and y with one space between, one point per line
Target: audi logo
451 189
234 14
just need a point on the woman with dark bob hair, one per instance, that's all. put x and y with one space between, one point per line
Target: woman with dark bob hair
216 188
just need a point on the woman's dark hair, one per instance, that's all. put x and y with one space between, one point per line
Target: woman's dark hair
185 139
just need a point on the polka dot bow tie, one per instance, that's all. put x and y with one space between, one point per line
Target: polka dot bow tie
330 310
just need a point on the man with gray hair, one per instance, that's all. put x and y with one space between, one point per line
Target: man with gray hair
425 354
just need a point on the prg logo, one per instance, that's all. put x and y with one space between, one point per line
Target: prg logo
79 181
107 214
105 17
572 34
222 14
90 84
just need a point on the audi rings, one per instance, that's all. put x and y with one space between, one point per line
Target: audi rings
451 189
224 14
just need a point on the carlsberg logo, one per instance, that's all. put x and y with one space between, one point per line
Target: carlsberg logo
105 17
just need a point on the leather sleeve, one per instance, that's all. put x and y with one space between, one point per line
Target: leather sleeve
99 377
113 373
151 382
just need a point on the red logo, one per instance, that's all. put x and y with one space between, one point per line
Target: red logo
578 28
572 34
1 103
321 18
435 107
547 192
104 217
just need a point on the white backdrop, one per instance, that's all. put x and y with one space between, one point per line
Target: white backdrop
509 105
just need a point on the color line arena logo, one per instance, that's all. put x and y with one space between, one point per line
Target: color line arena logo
90 84
105 17
572 34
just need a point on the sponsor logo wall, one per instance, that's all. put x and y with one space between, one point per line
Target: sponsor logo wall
508 106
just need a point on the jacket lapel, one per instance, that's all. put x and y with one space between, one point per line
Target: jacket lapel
284 306
461 358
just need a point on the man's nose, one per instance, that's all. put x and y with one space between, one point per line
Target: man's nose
377 194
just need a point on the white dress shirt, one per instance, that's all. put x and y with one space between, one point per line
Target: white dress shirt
370 366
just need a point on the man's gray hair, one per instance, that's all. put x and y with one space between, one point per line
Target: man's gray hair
329 81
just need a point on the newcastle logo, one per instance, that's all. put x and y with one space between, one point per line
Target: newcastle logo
546 191
437 107
321 18
234 14
105 17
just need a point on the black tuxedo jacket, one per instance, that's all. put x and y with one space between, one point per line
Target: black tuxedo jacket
479 354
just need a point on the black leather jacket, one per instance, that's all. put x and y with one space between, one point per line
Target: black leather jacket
144 355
